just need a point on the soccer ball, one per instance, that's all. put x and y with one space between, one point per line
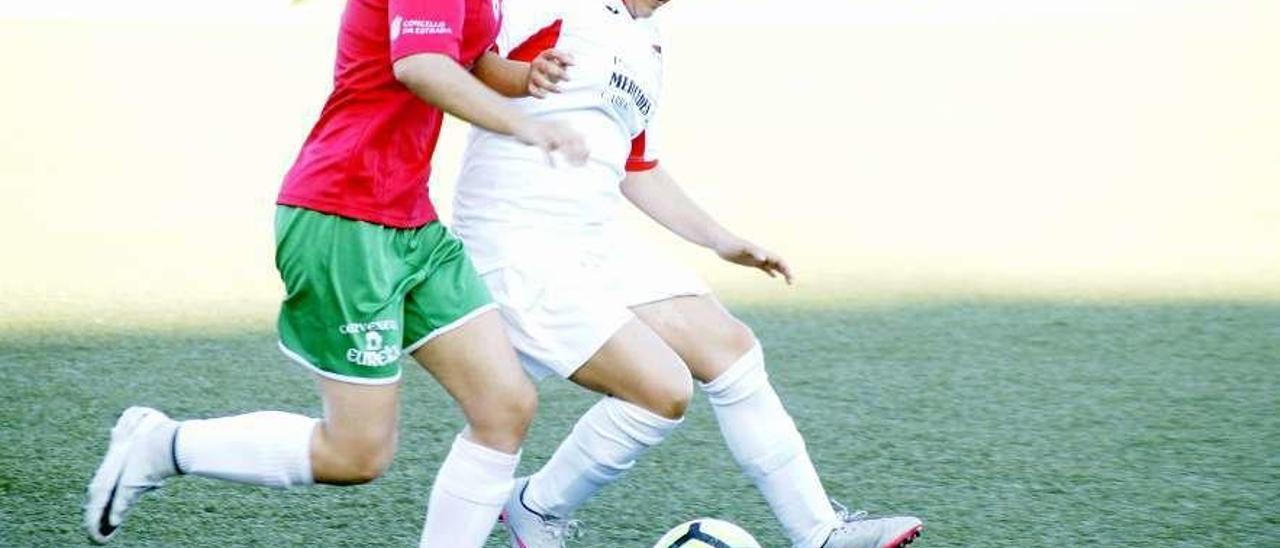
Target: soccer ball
707 533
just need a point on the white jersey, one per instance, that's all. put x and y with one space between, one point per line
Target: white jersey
508 194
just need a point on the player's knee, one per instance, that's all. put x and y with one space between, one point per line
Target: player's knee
518 408
729 343
369 468
717 341
737 338
671 398
503 420
365 461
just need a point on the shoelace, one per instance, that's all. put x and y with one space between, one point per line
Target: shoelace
846 517
562 529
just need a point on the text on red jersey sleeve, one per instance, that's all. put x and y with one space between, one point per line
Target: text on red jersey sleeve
426 26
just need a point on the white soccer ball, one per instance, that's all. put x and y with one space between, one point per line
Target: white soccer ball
707 533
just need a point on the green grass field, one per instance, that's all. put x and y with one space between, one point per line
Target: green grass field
1032 424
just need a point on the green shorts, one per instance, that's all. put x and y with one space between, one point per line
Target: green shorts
360 295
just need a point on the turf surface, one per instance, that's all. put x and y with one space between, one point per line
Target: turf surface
999 424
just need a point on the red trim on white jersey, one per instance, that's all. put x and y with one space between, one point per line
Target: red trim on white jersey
639 159
543 40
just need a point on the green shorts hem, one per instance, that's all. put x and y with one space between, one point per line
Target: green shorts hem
368 381
450 327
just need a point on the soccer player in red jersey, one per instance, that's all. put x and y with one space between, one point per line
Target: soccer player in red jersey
371 275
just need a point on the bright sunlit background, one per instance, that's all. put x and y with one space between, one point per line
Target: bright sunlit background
1091 149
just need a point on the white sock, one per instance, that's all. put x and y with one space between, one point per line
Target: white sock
766 445
265 448
603 445
471 486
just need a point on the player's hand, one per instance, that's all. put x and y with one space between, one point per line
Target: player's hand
739 251
554 137
547 70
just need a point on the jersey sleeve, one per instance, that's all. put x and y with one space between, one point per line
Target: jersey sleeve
643 155
528 28
426 26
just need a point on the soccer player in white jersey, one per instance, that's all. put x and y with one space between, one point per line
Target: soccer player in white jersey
582 301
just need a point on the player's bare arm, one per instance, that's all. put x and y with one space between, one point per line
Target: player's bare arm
441 81
658 195
517 79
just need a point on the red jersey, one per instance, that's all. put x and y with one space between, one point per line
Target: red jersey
369 155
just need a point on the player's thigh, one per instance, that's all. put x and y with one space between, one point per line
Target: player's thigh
359 412
701 331
455 332
635 365
475 363
357 438
459 338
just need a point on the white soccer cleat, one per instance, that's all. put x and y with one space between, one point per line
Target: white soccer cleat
138 460
856 530
529 529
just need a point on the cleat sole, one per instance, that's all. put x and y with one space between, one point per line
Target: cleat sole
906 538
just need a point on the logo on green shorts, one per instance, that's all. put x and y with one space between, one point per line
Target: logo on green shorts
374 352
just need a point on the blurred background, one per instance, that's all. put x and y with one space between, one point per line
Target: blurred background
1093 149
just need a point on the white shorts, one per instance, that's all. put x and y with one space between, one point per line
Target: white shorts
562 303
